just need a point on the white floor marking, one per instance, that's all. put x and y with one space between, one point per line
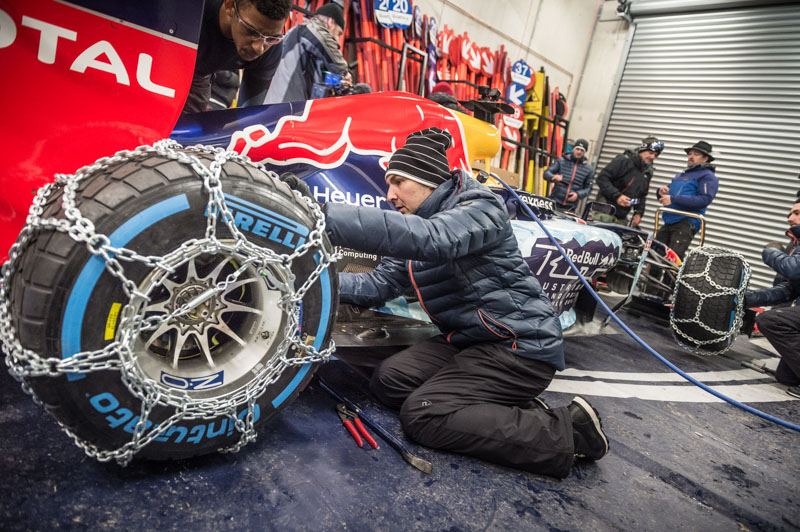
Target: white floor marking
687 393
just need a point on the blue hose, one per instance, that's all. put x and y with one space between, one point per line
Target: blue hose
633 335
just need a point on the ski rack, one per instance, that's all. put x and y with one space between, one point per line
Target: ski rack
404 57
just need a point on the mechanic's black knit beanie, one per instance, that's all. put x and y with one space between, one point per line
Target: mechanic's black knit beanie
423 158
333 11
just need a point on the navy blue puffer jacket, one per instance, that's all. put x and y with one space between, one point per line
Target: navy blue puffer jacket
785 264
460 255
577 176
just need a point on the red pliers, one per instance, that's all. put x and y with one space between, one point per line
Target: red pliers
350 420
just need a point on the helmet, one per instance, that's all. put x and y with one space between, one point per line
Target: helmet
652 143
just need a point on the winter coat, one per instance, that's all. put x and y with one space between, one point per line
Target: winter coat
460 255
785 264
578 176
691 191
625 174
308 50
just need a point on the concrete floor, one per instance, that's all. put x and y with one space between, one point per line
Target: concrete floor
680 460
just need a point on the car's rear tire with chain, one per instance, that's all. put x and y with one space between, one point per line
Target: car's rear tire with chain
63 301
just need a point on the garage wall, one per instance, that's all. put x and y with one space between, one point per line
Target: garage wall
598 84
731 77
550 33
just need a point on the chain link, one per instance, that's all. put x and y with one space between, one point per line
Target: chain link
725 336
121 355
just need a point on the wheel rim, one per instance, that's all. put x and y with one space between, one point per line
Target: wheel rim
223 340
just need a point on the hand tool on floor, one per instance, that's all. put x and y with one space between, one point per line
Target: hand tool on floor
351 421
761 368
416 461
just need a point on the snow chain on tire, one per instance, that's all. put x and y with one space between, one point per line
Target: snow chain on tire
265 265
708 300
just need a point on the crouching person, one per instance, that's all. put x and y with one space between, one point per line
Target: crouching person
781 326
472 389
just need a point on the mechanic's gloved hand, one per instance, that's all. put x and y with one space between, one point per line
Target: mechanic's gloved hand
295 183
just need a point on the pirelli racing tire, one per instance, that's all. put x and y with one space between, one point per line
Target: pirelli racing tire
64 301
708 299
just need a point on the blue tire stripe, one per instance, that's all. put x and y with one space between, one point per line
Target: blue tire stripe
85 284
325 284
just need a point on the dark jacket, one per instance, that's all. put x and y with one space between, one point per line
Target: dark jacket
691 191
785 264
578 177
459 254
215 52
309 50
625 174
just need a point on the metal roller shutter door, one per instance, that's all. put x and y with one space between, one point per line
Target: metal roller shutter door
732 78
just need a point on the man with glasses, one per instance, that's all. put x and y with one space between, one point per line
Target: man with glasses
238 34
691 191
309 50
624 182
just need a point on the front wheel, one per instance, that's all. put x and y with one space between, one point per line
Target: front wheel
168 301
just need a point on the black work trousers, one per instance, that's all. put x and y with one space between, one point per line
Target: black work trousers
477 401
677 236
781 326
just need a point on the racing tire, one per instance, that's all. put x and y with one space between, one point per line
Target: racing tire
64 301
719 310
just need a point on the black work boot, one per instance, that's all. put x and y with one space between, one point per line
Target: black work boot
587 430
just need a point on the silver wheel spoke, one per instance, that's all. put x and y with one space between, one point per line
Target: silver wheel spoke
216 271
191 273
178 347
233 307
236 284
169 285
223 327
162 329
202 342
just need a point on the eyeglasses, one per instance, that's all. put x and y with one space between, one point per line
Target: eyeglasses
254 33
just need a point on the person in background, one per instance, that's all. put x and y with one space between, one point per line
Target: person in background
572 176
237 34
781 326
625 181
473 388
691 191
310 50
443 94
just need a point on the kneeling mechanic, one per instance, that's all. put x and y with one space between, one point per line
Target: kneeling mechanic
471 389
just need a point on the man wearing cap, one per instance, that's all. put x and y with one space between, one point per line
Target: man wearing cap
691 191
237 34
781 326
624 182
471 389
572 176
309 50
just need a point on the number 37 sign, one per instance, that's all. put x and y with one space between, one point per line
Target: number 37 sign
393 13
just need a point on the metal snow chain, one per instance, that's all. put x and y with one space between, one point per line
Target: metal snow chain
722 336
120 355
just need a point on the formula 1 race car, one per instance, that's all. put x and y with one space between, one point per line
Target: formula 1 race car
166 300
